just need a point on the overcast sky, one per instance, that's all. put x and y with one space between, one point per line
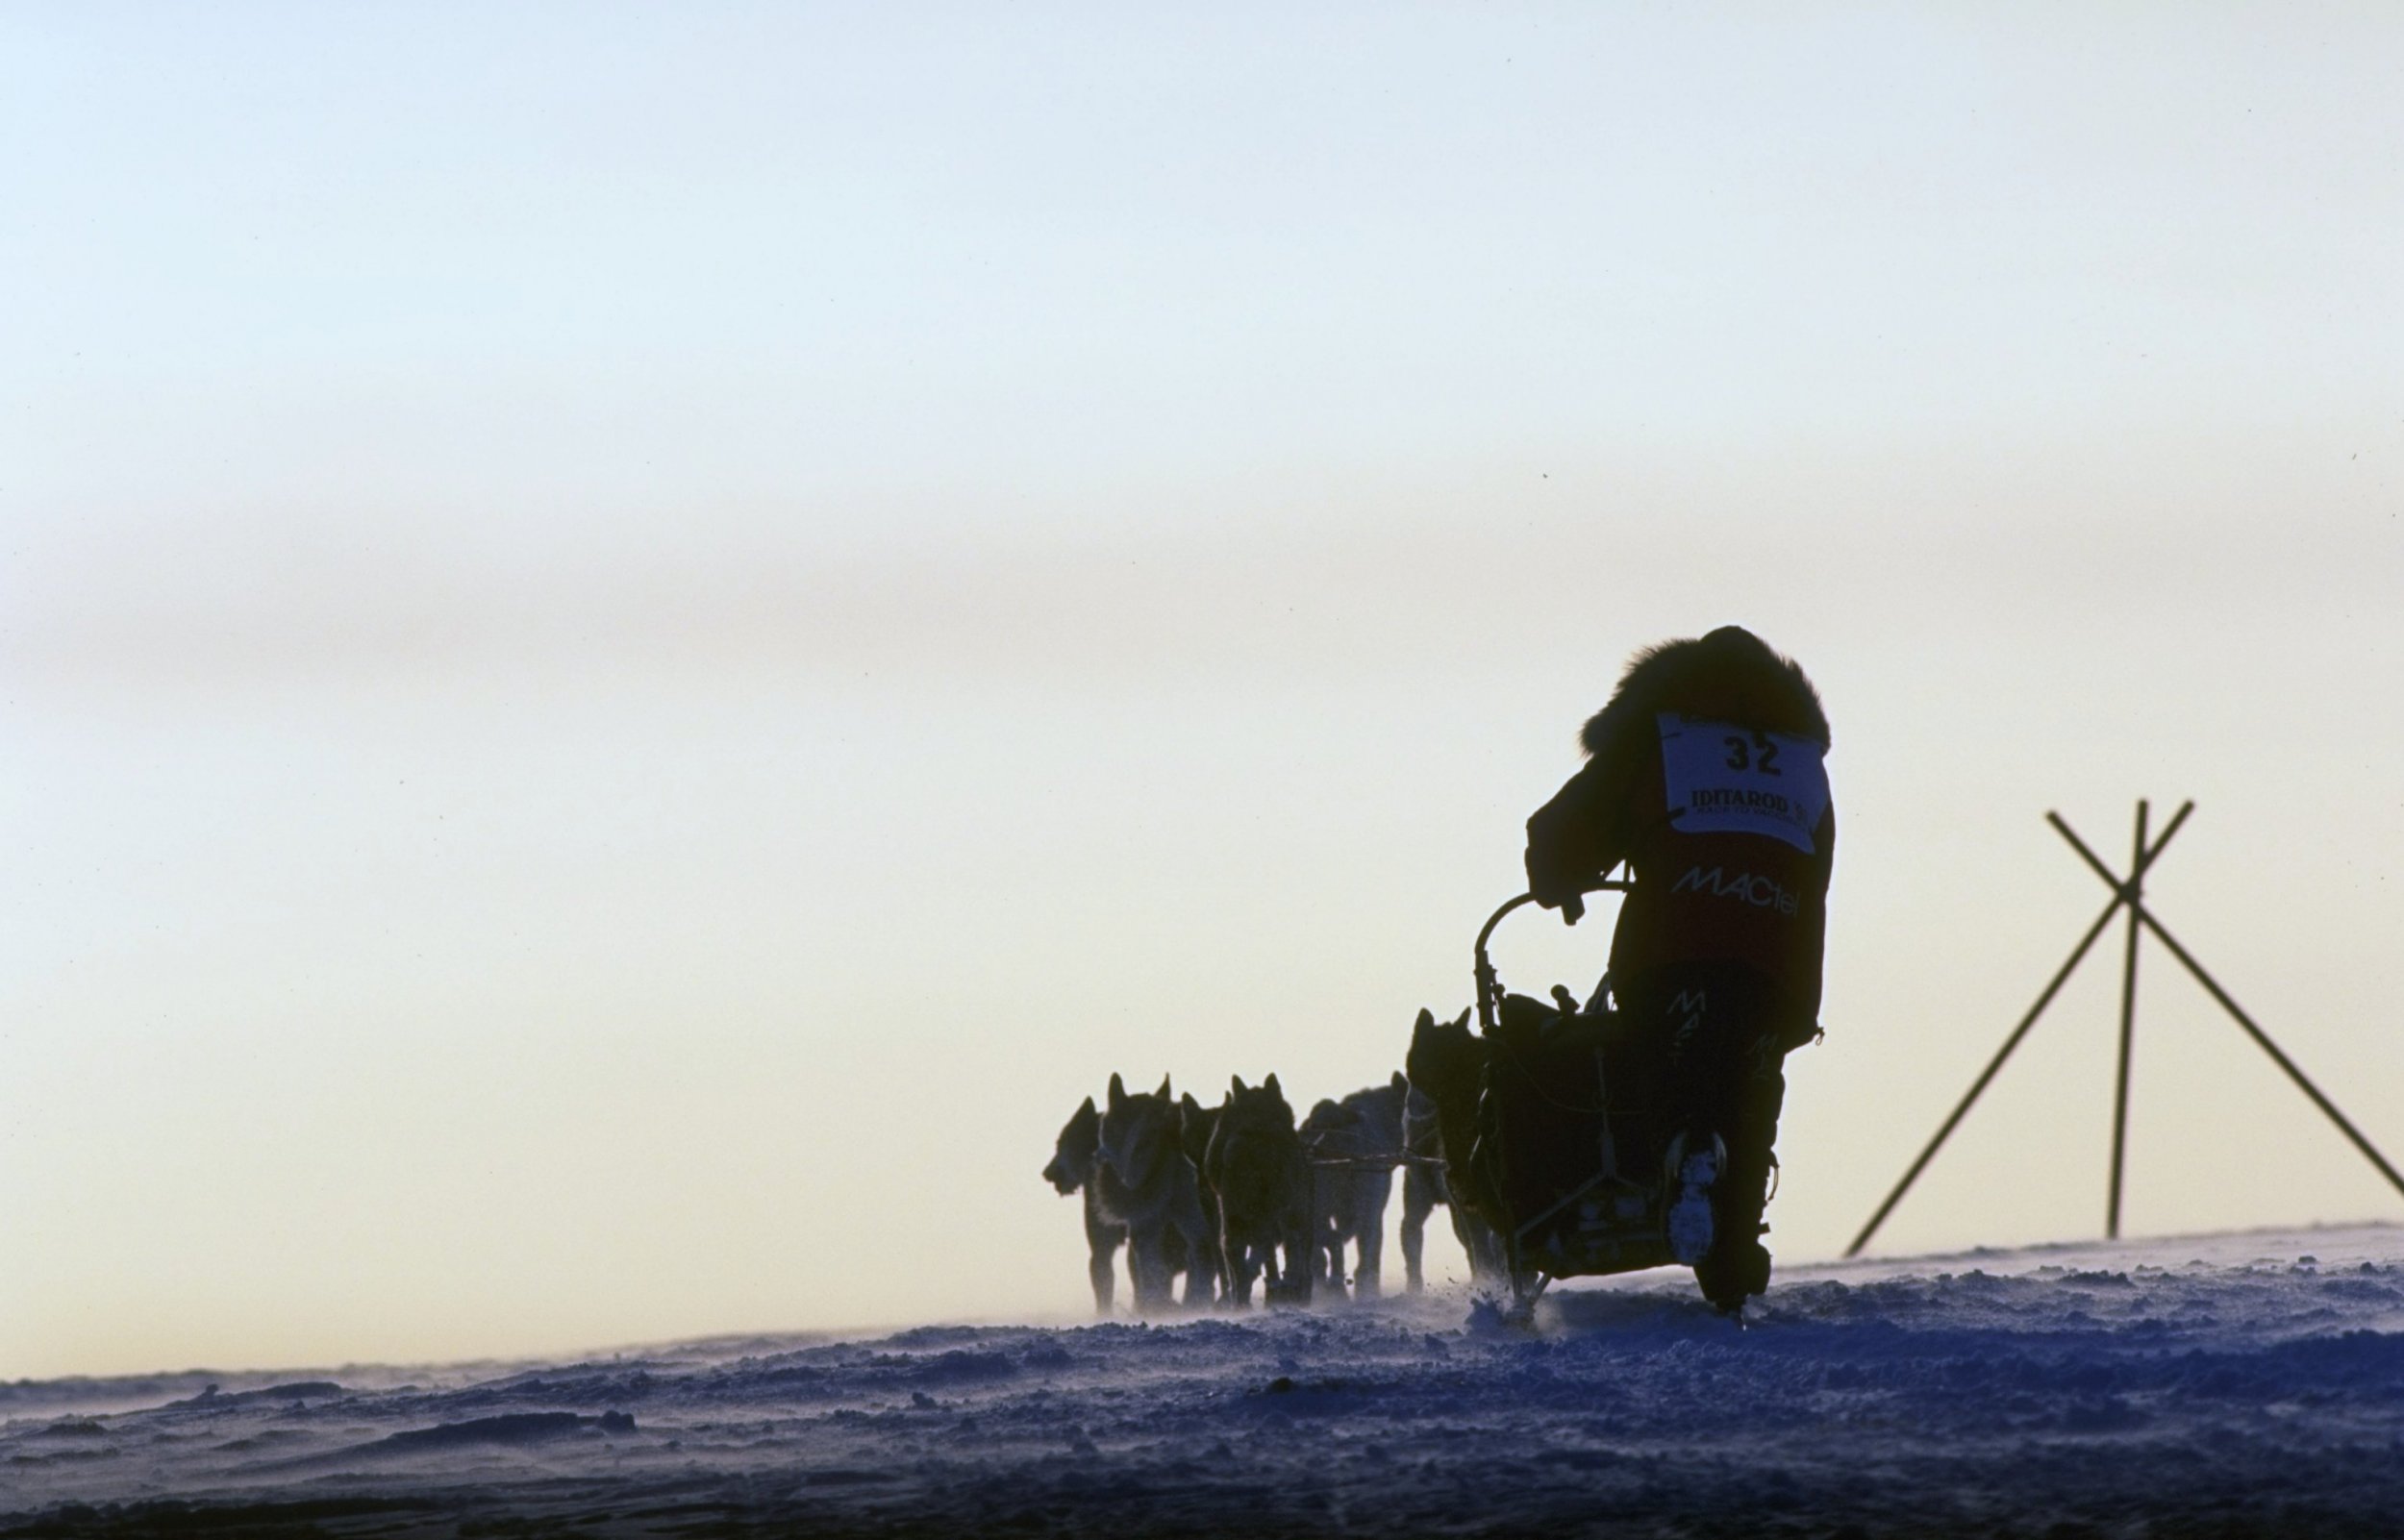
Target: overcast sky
637 641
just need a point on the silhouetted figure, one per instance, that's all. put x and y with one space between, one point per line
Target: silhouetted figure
1196 1124
1143 1183
1446 1069
1072 1171
1256 1165
1705 775
1354 1146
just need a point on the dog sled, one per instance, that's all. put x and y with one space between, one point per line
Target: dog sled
1575 1158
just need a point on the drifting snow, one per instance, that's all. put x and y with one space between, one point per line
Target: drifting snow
2230 1384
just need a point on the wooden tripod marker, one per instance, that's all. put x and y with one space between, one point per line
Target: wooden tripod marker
2128 1025
2129 893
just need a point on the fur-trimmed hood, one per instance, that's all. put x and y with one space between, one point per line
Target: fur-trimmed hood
1729 674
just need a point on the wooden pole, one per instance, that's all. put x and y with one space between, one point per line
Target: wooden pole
2134 895
2261 1039
2146 859
1978 1086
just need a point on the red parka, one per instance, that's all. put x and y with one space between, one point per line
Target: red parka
1706 776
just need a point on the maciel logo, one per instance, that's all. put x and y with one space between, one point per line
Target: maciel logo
1759 891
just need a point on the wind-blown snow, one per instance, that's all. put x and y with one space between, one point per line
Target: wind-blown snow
2223 1385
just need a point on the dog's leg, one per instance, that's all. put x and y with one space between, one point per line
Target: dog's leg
1148 1263
1480 1242
1204 1286
1419 1201
1298 1279
1369 1234
1207 1284
1497 1256
1201 1281
1327 1249
1299 1229
1261 1265
1143 1268
1101 1239
1235 1284
1327 1240
1239 1272
1291 1284
1192 1223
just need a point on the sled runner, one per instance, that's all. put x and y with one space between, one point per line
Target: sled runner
1575 1161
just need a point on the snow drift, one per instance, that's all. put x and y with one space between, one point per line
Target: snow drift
2220 1385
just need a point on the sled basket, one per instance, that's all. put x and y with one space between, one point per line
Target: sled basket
1571 1141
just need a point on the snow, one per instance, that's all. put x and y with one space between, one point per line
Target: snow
2226 1385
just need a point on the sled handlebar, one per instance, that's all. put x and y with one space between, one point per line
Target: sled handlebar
1488 987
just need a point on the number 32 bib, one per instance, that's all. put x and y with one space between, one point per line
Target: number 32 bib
1724 778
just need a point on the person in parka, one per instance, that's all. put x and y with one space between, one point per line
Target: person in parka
1705 774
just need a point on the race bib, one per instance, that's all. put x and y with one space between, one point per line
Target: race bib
1728 780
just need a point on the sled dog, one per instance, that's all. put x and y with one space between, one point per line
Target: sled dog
1354 1146
1196 1124
1072 1171
1446 1068
1256 1164
1143 1182
1423 1187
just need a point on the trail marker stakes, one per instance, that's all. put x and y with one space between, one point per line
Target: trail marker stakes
2127 893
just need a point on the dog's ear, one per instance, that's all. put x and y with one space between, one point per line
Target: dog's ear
1187 1103
1270 1086
1118 1090
1427 1019
1086 1109
1461 1021
1162 1092
1235 1085
1399 1082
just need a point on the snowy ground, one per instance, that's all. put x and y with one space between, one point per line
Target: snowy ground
2225 1385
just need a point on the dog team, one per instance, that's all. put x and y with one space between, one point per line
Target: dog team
1241 1194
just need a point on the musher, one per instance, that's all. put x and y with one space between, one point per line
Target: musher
1705 775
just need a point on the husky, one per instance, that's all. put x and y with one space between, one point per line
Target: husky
1196 1124
1422 1186
1446 1068
1354 1146
1143 1183
1072 1170
1256 1164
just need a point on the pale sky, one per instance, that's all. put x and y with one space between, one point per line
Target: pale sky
637 641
